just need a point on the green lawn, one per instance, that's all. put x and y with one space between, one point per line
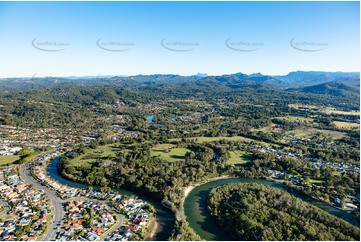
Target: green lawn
316 182
309 132
239 157
8 159
169 152
92 155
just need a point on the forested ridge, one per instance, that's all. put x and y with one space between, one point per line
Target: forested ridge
66 105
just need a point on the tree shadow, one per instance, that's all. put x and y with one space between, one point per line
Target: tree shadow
177 156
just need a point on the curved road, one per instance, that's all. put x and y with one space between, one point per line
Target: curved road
56 202
117 225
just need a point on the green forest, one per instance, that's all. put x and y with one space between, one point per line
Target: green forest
258 212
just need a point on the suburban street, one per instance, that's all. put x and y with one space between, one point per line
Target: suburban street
56 202
6 208
115 227
119 220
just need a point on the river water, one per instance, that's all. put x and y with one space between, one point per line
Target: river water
165 217
195 206
200 220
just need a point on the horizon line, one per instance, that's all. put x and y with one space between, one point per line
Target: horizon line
140 74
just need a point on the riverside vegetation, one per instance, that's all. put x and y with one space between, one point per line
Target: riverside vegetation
258 212
203 127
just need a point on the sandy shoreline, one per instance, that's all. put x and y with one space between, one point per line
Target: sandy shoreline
154 229
188 189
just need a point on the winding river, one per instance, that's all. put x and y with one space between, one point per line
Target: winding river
200 220
165 218
196 209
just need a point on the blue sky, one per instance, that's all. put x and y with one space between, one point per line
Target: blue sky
267 37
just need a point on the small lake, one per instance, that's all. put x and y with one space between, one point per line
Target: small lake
150 121
150 118
195 207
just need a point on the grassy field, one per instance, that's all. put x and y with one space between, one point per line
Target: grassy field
335 111
331 133
8 159
239 157
346 125
328 110
299 106
309 132
269 128
92 155
316 182
210 139
169 152
295 118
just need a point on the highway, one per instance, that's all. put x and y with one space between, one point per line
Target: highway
56 203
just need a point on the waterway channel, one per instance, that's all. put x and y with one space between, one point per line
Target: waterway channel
165 217
195 206
200 220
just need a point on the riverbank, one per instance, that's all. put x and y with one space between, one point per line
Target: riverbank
65 193
164 217
153 226
274 208
198 218
188 189
298 189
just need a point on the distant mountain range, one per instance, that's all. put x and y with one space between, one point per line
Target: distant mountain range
336 88
327 83
302 78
